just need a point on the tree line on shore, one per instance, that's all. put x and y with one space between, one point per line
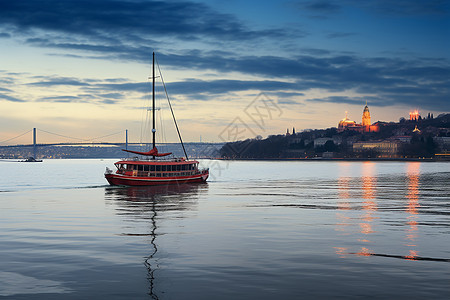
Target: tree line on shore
412 143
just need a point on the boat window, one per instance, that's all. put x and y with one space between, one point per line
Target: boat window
146 168
169 168
152 168
164 168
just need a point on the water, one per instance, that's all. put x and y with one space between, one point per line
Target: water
256 230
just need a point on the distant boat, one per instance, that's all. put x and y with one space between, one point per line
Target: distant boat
31 159
156 169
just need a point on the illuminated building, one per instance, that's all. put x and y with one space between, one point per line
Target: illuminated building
380 148
414 115
365 126
366 116
345 123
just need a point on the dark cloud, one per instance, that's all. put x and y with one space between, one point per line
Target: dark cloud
10 98
59 81
424 83
225 86
135 20
111 96
328 8
321 6
63 99
129 30
92 99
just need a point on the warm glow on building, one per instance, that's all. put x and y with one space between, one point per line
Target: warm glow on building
366 117
414 115
365 126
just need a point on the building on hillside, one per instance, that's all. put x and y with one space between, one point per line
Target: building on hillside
414 115
365 126
366 117
322 141
386 149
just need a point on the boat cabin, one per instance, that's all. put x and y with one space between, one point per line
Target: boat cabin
157 169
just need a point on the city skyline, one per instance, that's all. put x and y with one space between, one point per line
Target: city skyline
81 66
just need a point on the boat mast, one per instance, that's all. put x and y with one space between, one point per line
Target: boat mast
153 103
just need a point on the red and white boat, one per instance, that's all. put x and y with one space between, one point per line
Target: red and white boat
156 169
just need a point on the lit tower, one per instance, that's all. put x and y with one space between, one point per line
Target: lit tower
366 116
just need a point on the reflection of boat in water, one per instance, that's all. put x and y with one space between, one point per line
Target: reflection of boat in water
148 194
151 203
156 171
31 159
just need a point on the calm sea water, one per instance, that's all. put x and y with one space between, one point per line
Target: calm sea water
256 230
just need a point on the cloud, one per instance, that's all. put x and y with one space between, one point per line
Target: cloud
338 99
423 82
407 7
224 86
131 30
328 8
130 20
321 6
63 99
10 98
54 81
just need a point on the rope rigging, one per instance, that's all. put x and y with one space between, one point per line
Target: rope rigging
171 110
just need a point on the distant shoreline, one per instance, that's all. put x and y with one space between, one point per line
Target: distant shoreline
337 159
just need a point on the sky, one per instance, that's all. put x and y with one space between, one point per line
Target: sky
80 69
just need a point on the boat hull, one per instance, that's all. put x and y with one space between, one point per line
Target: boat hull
118 179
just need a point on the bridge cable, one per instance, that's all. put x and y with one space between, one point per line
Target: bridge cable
69 137
100 137
15 137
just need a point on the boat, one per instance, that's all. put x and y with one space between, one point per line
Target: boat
156 168
31 159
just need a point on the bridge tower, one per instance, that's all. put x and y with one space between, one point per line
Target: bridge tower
34 143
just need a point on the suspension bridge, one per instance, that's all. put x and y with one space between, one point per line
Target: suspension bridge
75 141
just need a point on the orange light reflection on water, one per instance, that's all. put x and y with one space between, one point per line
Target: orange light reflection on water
413 178
369 205
343 203
369 182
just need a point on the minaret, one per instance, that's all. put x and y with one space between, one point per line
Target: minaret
366 116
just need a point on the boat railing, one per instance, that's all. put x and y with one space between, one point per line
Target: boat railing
135 158
165 173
